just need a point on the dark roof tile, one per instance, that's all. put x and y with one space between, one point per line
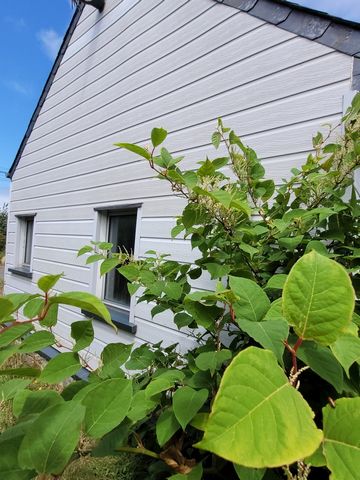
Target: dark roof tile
305 24
244 5
337 33
342 38
270 11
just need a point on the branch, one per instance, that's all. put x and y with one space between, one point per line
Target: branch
140 451
293 350
32 320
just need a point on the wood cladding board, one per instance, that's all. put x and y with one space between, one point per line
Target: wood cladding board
150 40
185 123
270 88
178 64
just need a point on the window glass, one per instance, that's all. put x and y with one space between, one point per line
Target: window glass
121 234
29 228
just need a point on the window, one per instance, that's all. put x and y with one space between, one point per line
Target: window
121 233
24 245
117 225
28 241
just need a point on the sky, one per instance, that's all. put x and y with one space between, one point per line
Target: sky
31 32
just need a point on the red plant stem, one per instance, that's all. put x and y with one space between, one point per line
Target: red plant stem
232 314
14 324
32 320
293 350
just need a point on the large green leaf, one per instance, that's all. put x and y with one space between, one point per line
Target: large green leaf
7 352
85 301
163 382
157 386
252 303
212 360
109 264
83 334
6 307
322 361
73 388
107 404
51 439
10 388
270 334
187 402
275 311
113 357
317 459
342 438
47 282
37 341
204 315
112 440
17 299
318 298
277 281
27 402
33 307
254 411
141 358
21 372
245 473
200 420
347 350
158 135
10 442
51 316
166 426
135 149
290 243
141 405
60 367
13 333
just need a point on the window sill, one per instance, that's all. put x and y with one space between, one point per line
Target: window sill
21 271
119 317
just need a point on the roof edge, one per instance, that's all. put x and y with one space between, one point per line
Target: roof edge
334 32
47 86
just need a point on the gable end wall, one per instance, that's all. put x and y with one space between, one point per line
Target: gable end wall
178 64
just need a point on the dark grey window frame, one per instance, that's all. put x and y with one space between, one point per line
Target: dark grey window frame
23 268
119 315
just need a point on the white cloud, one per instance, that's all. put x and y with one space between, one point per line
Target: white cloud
18 87
51 42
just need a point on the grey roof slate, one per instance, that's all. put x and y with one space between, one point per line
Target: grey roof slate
270 11
356 74
342 35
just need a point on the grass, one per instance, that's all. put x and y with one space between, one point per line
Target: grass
121 467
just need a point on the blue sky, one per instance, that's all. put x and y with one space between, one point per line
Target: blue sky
30 35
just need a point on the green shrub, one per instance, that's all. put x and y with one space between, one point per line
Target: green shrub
271 387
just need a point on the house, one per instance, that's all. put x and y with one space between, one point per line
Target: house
273 70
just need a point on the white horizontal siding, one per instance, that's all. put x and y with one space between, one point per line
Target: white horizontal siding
90 17
134 41
178 49
173 63
183 70
139 105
